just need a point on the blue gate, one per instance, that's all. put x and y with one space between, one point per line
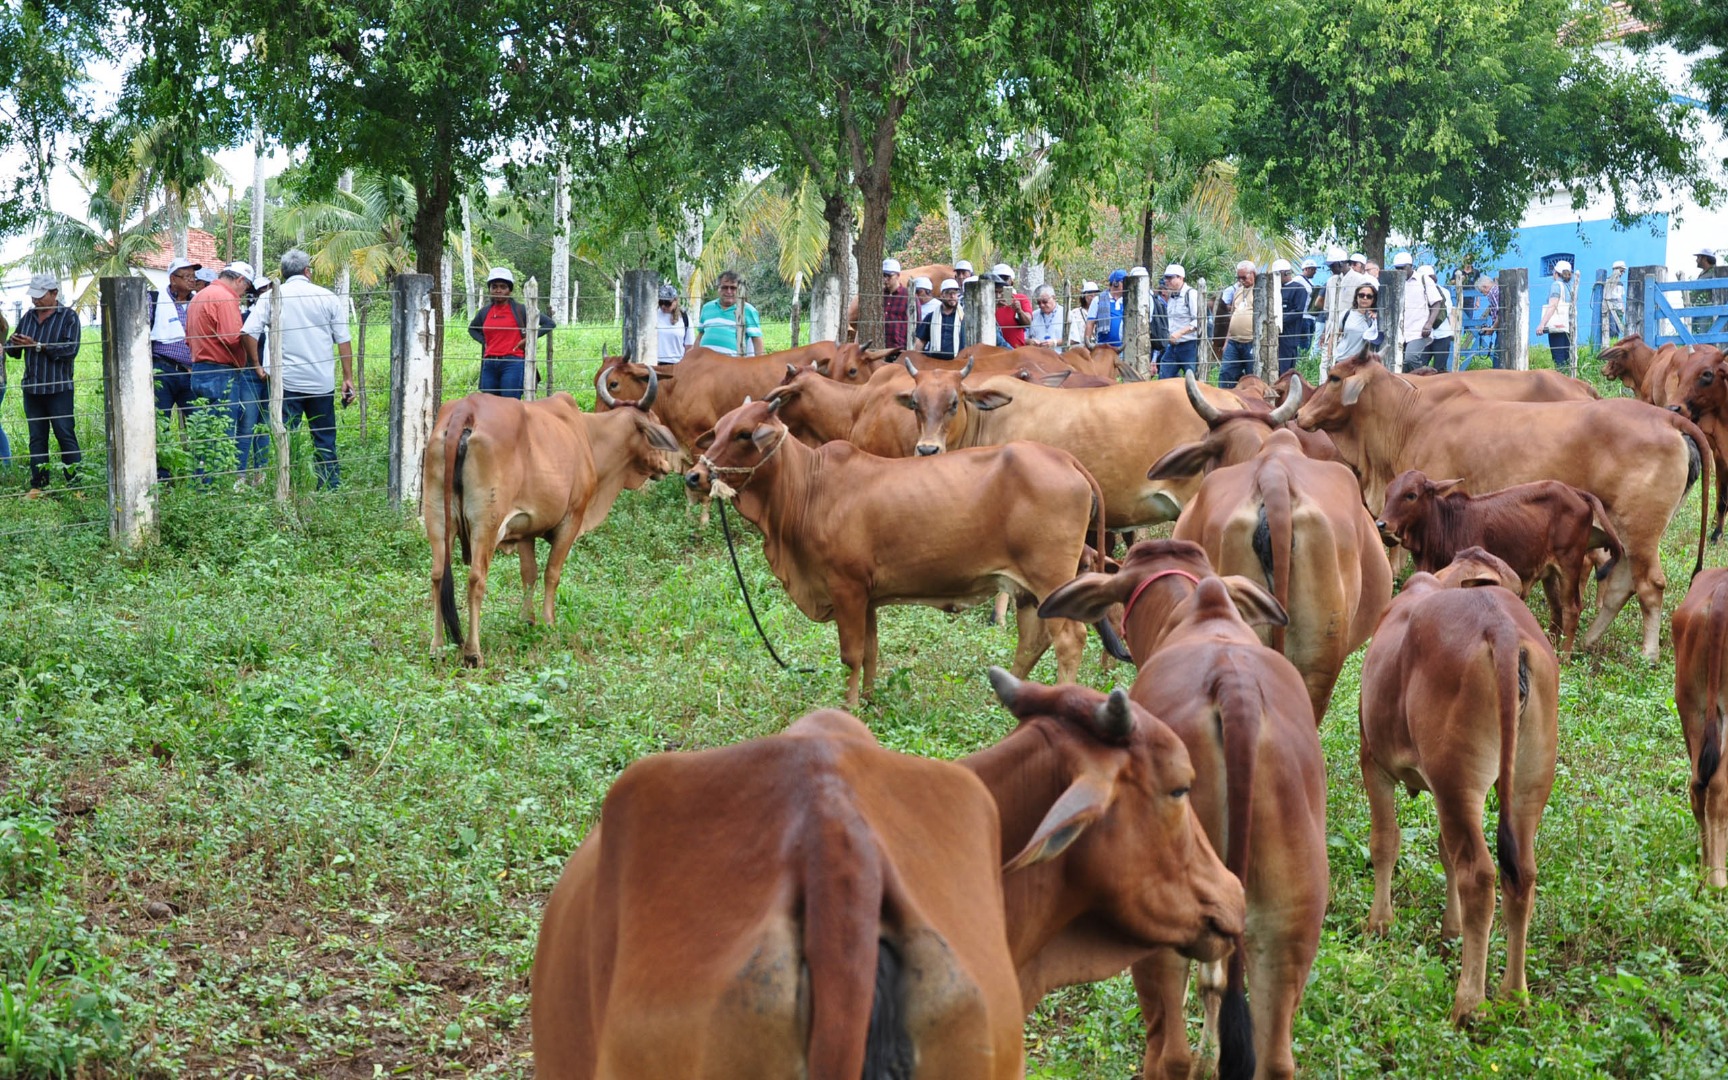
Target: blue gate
1689 324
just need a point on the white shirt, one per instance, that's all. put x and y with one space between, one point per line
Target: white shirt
314 322
1419 293
170 325
1181 309
1077 326
673 337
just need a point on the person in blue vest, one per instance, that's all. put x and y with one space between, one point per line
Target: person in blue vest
1105 318
941 333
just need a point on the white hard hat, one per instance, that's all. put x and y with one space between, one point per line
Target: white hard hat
890 266
1705 253
1618 264
1402 259
1141 270
500 273
1003 271
1562 265
1175 270
1282 266
1357 256
964 264
1089 286
920 283
1310 261
1336 255
949 283
1425 270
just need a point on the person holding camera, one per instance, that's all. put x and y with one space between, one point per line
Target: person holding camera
1013 309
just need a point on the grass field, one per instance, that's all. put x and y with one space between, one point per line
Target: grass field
248 828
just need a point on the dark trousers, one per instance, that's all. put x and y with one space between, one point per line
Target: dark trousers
1238 361
1180 356
173 390
320 413
1561 346
45 413
502 377
5 444
1289 345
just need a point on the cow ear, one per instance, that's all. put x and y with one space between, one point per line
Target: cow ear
822 365
1444 488
705 440
987 399
1085 801
1353 387
1053 379
1257 606
908 401
1085 599
1184 461
658 437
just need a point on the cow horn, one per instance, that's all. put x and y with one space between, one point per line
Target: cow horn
1114 718
651 393
1286 410
600 390
910 370
1208 411
967 370
1007 687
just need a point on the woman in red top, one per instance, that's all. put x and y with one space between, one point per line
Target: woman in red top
501 328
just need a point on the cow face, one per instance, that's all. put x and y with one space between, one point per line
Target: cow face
1617 358
854 363
739 443
1703 381
1131 850
625 382
1410 503
940 399
1330 407
652 451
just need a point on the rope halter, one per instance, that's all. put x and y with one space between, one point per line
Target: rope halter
719 488
1128 608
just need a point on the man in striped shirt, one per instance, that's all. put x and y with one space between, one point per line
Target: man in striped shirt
47 338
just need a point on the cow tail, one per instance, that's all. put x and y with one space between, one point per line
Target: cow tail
1701 447
1239 713
843 926
1511 682
455 454
1275 506
1710 746
1616 549
1098 534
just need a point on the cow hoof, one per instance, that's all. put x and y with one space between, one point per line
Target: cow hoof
470 661
1464 1013
1378 927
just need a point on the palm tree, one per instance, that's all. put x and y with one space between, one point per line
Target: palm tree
101 244
366 231
790 214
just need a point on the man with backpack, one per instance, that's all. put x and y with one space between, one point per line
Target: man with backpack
1182 314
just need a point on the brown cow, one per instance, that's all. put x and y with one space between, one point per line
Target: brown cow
1460 693
1637 459
1648 373
1698 383
502 472
1232 437
1115 431
847 532
836 909
1502 384
1253 390
1700 644
1544 531
1298 526
1260 779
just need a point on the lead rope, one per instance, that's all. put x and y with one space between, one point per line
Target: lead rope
722 492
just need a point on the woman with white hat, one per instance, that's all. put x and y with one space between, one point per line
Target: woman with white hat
1077 315
1557 316
501 328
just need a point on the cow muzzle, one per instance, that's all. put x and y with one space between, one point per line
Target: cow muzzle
1388 535
695 480
925 449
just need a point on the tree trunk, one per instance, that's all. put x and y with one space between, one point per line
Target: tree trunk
1374 231
956 228
560 285
432 208
837 211
1146 237
345 184
689 247
872 239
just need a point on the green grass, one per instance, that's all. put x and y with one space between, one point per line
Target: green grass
247 826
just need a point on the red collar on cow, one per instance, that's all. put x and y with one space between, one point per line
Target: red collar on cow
1128 608
718 488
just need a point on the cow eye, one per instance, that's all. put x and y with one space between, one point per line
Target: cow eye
1179 793
1409 496
1333 379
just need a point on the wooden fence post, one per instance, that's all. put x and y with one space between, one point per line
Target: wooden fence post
278 429
530 338
1639 299
130 405
1514 328
1339 300
979 320
1137 325
826 311
1268 323
738 309
641 296
1390 302
362 310
1202 332
413 404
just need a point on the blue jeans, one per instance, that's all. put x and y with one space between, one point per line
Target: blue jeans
251 429
502 376
320 413
214 384
5 446
1289 344
1238 361
1561 346
173 389
1180 356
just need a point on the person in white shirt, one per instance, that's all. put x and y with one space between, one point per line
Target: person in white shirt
1614 301
1077 315
924 295
1047 319
1183 316
673 331
314 329
1439 352
1423 306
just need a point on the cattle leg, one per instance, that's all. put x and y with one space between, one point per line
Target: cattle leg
870 653
1472 869
1278 964
1161 983
999 612
560 540
530 571
477 569
1070 639
1710 807
851 622
1451 917
1553 588
1209 979
1612 594
1034 636
1383 837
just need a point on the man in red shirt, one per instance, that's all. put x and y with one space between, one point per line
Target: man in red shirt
501 328
895 297
1013 309
213 326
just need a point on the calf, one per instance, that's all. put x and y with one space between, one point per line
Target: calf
1700 644
1243 712
1649 373
499 472
848 532
1460 693
1544 531
1699 388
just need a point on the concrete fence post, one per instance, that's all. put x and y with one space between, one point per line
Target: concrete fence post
1390 302
641 296
1137 325
413 401
1202 332
979 301
530 338
1514 325
1268 323
1641 299
130 405
825 308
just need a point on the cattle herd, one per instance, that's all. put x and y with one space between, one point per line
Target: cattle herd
812 904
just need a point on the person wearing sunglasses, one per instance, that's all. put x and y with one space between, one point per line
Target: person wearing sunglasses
673 331
1360 328
719 319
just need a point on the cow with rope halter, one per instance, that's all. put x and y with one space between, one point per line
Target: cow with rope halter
501 472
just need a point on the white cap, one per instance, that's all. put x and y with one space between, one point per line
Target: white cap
500 273
262 283
949 283
964 264
1618 264
1089 286
1562 265
1706 252
183 264
1310 261
1402 259
1003 270
42 284
1282 266
1141 270
241 268
1336 255
1245 264
1357 256
1175 270
890 266
1425 270
920 283
206 275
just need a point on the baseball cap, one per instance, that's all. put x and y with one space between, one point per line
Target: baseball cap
1089 287
1245 264
920 282
667 292
500 273
42 284
1175 270
1336 255
183 264
1282 266
965 265
1310 261
1562 265
890 266
206 275
1118 276
1357 256
261 283
1141 270
1003 271
1402 259
244 269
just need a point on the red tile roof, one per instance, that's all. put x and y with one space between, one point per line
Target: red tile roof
200 248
